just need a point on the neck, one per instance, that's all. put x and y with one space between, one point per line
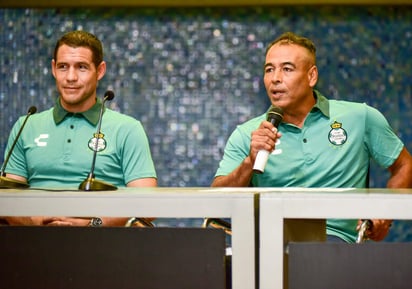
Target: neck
78 107
297 115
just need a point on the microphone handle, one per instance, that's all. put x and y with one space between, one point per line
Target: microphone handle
90 183
3 168
263 155
260 161
97 135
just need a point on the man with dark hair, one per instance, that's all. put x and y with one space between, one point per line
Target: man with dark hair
56 147
319 143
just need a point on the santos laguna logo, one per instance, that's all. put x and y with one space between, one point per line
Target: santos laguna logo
97 143
337 135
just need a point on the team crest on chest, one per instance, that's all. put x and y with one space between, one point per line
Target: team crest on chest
337 135
101 143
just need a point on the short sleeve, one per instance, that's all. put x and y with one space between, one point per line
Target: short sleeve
383 143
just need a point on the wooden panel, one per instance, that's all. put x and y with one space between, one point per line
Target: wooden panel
123 258
355 266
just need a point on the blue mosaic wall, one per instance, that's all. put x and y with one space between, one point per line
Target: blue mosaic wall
192 74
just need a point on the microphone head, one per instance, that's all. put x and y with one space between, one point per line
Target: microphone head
109 95
32 110
275 115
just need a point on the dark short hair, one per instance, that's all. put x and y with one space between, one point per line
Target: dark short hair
80 38
292 38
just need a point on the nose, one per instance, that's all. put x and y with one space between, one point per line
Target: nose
277 75
71 74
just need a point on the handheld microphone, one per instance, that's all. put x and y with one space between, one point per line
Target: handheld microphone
5 182
275 116
90 183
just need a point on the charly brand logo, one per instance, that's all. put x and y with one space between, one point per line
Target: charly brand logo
277 151
41 140
337 135
101 142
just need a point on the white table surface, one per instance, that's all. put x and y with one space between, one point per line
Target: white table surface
276 205
152 202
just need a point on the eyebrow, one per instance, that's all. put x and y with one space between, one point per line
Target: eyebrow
282 64
75 63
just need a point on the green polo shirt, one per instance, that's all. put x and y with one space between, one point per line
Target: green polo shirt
332 149
55 149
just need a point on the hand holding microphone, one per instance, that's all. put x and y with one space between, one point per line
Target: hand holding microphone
274 116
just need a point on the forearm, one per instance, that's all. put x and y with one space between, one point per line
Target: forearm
401 171
240 177
23 221
402 179
83 221
395 182
114 222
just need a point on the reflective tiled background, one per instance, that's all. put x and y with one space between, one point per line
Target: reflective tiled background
192 74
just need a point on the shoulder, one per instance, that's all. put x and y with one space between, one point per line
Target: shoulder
350 108
335 105
37 117
123 124
44 113
347 104
120 118
355 107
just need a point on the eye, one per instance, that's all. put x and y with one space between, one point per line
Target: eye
83 67
269 69
61 66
